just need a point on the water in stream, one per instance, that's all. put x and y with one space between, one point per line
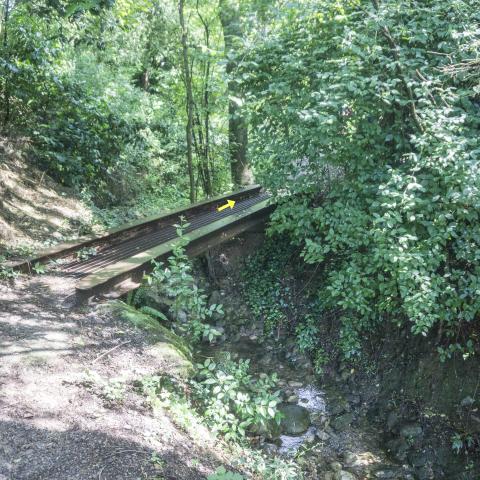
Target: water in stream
357 449
313 399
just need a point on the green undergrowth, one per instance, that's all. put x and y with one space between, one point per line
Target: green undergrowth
282 293
214 401
217 400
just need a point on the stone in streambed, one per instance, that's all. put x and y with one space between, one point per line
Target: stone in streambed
338 406
336 466
344 475
294 384
388 474
270 449
342 422
393 419
323 436
398 448
411 430
295 421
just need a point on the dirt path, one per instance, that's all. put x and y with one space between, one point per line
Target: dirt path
56 425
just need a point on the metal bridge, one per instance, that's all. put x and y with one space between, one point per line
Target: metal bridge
122 256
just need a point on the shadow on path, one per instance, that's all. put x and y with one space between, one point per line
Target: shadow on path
30 453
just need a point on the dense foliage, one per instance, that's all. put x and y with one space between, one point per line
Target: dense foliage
98 87
365 117
362 116
233 401
188 303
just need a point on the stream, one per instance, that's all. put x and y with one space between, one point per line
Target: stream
337 443
313 400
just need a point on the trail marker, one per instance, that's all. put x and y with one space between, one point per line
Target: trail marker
230 203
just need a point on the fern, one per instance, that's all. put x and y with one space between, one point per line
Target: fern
130 296
153 312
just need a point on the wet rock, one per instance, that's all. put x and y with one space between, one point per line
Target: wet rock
336 466
387 474
310 436
294 384
181 316
267 360
270 449
342 422
329 476
349 458
344 475
418 459
338 406
467 402
296 419
425 473
323 436
270 431
318 418
292 399
393 419
411 430
443 455
354 399
398 448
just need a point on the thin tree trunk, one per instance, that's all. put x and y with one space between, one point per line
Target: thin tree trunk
237 125
189 105
6 91
206 107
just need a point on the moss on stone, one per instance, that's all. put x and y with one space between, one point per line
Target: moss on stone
172 351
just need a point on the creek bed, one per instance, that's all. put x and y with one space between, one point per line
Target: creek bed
357 448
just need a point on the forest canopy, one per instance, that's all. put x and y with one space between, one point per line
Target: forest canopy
361 116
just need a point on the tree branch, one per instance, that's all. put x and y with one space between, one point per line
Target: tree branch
401 72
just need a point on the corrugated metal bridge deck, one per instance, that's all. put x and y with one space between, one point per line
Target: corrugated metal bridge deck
115 253
122 255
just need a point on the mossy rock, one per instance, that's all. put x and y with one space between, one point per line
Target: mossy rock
148 297
172 351
296 419
173 362
271 430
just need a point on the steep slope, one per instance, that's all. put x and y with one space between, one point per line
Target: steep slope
34 210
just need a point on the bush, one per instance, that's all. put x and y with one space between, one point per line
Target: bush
232 400
175 281
375 160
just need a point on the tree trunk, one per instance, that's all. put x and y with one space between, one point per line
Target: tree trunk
205 104
237 125
189 106
6 89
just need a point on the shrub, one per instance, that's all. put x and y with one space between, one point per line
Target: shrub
232 400
175 281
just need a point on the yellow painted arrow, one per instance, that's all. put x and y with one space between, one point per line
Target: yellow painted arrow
230 203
